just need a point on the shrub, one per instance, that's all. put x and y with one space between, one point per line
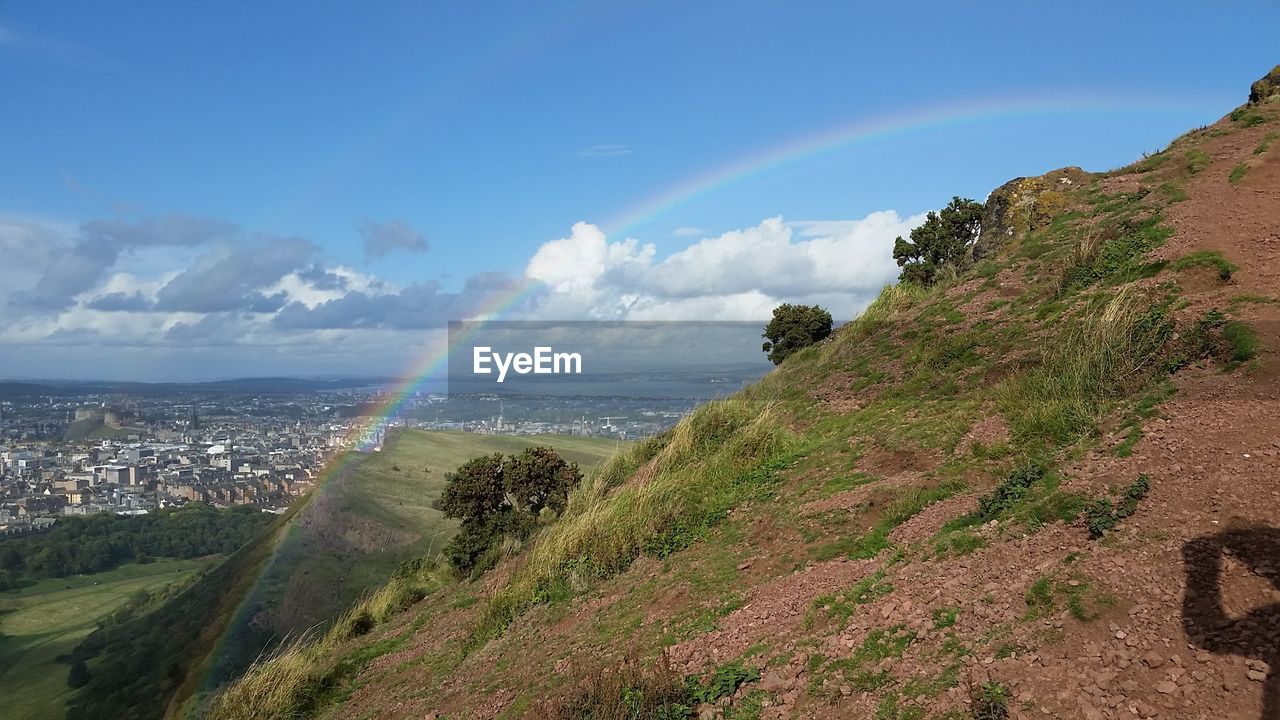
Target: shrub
499 497
78 676
943 240
990 701
794 327
1011 490
1101 515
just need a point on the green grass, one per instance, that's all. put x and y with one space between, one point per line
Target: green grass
1247 118
1240 301
383 507
1237 173
1242 340
1197 160
909 503
1207 258
842 606
1173 191
945 617
1105 354
47 619
1266 143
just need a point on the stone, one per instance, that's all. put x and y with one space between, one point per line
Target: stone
1266 88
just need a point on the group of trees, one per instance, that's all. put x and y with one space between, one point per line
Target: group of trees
497 497
95 543
945 239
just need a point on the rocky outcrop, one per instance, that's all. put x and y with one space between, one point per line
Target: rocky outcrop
1266 89
1022 205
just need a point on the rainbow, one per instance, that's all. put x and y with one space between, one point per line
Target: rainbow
865 131
360 437
365 430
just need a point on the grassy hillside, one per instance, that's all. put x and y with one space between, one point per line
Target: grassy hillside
1000 496
360 526
47 619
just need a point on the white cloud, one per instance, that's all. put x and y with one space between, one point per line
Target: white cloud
334 283
737 275
279 296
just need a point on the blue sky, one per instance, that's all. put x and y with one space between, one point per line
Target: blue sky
419 147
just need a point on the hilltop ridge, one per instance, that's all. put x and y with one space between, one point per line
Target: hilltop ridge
1045 487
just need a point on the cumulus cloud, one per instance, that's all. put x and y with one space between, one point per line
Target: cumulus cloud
740 274
235 276
383 238
416 307
120 302
67 264
175 282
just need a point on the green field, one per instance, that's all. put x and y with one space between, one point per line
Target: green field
377 514
397 486
47 619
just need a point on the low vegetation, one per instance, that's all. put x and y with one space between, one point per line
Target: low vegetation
80 545
43 621
1102 515
1207 258
299 677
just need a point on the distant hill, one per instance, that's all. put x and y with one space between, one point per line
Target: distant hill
20 389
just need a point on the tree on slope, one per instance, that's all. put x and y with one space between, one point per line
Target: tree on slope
496 496
794 327
943 239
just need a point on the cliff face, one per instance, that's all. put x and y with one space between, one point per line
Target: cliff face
1023 205
1045 489
1266 89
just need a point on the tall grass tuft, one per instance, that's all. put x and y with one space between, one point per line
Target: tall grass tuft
283 686
293 681
1104 353
725 453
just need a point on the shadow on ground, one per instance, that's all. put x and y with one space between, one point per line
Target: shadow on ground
1204 615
